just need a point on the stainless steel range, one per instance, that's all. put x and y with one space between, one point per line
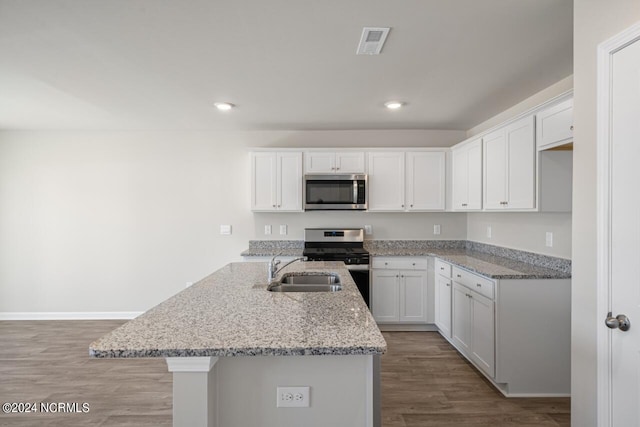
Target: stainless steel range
346 245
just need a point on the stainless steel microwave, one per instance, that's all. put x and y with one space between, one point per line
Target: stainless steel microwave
335 192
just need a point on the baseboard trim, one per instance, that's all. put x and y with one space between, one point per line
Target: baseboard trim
69 315
391 327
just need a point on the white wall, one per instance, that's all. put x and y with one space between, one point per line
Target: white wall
594 22
524 231
119 221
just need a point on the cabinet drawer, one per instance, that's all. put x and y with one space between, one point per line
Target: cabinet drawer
443 268
480 284
400 263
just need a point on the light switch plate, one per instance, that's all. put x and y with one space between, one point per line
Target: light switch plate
368 230
436 229
267 229
488 231
283 229
549 239
225 230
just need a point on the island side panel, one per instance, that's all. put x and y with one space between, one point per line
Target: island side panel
341 391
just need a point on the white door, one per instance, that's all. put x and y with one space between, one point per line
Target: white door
521 164
386 181
413 296
443 305
264 181
425 180
482 333
384 295
350 162
461 318
619 230
495 170
289 181
460 165
474 175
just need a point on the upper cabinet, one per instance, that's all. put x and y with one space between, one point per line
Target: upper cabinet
407 181
467 176
334 162
510 166
554 125
276 181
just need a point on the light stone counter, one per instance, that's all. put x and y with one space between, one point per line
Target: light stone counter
230 313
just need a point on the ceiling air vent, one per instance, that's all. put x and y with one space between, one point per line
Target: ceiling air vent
372 40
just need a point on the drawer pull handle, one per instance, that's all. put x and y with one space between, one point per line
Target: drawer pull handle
478 285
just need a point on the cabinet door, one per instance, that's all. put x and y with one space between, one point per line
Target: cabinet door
521 161
289 181
443 305
554 126
460 173
263 181
384 295
425 180
350 162
386 181
495 170
483 333
461 318
474 175
413 296
319 162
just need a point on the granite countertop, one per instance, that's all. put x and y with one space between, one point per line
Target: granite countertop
491 261
231 313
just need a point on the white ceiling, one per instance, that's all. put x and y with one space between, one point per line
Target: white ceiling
286 64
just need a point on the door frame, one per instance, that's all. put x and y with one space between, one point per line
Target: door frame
606 50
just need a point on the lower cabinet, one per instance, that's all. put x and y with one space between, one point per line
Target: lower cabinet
399 295
516 331
473 327
443 305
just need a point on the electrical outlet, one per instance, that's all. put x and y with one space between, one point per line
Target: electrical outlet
549 239
368 230
267 229
225 230
292 397
488 231
283 229
436 229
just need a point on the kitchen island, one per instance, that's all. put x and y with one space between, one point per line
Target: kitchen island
230 343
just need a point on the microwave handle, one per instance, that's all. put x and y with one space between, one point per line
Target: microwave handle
355 192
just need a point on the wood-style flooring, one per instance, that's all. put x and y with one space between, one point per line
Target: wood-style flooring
425 382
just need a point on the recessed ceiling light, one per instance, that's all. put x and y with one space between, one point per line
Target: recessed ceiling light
224 106
393 105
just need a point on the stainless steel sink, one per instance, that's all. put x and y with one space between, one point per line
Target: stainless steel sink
307 283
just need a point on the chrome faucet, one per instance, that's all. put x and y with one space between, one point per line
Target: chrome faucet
273 264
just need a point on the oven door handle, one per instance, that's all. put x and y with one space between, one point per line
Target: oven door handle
358 267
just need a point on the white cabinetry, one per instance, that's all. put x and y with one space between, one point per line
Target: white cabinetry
399 290
503 325
443 297
406 181
473 330
554 125
510 167
334 162
276 181
467 176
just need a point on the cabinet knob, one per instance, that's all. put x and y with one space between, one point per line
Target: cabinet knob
411 205
274 206
386 263
478 285
464 204
337 169
397 276
278 205
448 285
402 206
458 275
442 268
413 263
402 275
571 128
